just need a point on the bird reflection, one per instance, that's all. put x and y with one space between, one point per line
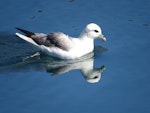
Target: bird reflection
84 64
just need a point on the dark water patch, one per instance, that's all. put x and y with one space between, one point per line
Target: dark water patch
71 0
12 49
146 24
40 11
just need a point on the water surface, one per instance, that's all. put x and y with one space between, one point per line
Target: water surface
45 84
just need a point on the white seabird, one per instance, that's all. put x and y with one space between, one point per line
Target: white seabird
60 45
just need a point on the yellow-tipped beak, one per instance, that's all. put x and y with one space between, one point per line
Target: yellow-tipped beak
102 38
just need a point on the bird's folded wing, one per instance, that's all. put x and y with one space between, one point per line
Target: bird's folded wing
55 39
60 40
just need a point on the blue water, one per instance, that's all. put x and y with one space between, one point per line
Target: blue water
43 84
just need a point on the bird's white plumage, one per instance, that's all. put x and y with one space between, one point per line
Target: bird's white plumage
74 47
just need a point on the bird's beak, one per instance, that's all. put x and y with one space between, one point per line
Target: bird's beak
102 38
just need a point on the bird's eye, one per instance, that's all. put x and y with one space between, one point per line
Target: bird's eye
96 31
95 77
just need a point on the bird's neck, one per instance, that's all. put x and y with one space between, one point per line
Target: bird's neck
84 34
84 37
86 43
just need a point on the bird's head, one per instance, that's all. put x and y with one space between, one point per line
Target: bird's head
92 30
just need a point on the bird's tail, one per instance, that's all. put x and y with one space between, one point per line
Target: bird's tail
27 33
28 39
27 36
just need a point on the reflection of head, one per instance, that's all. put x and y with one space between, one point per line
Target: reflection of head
93 75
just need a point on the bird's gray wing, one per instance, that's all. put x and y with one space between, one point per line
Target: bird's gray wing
60 40
38 38
54 39
41 39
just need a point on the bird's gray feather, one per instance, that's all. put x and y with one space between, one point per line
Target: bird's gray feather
55 39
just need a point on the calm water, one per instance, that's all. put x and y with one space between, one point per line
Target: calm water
114 78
